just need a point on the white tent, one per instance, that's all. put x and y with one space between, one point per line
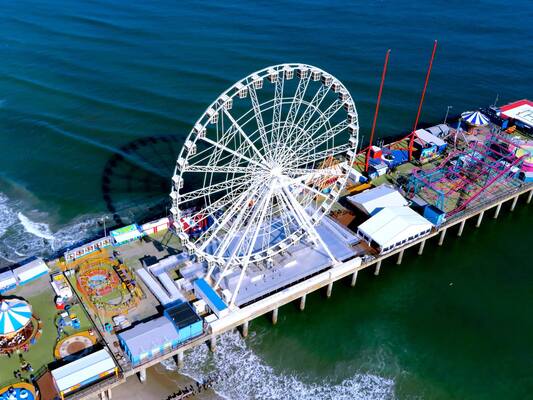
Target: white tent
15 314
475 118
31 270
372 200
84 371
393 227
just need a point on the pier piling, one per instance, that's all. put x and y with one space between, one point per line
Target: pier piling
421 248
102 395
529 196
354 278
178 358
378 267
109 396
479 219
275 316
461 227
142 375
497 212
213 343
244 329
513 204
441 237
302 302
400 258
329 290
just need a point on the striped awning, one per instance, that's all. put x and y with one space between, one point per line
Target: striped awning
14 315
475 118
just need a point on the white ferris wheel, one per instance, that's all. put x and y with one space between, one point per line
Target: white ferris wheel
262 166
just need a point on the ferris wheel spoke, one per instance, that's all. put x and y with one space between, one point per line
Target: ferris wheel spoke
309 188
312 107
276 109
214 188
322 155
258 117
323 138
219 204
244 135
237 208
235 153
236 224
307 222
223 169
295 106
251 244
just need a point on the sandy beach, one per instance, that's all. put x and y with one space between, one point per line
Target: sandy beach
160 383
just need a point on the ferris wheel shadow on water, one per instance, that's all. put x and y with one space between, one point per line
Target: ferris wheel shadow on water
136 179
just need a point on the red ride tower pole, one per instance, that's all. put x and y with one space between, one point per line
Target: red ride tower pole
367 158
412 138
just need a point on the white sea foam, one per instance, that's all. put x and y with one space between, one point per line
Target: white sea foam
39 229
7 217
21 237
249 377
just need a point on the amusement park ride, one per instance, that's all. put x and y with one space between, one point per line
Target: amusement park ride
254 166
271 155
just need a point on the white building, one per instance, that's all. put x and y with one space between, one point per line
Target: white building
31 270
393 227
372 200
7 281
83 372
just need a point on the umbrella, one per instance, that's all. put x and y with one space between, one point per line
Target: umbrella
475 118
14 315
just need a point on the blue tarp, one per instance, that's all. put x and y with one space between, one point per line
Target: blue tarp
210 296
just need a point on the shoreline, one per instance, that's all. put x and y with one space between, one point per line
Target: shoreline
161 383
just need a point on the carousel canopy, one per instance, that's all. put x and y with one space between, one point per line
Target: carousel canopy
475 118
14 315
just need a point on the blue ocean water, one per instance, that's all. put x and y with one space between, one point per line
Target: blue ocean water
96 98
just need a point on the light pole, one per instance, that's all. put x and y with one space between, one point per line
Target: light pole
447 111
103 219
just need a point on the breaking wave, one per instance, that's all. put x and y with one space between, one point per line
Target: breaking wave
39 229
22 237
244 375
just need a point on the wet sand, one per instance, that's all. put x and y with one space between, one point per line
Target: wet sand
160 383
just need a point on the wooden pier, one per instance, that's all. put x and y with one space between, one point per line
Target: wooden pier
241 318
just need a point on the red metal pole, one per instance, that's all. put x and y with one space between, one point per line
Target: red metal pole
412 139
377 109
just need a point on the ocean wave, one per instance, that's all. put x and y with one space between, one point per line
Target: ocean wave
39 229
22 237
247 376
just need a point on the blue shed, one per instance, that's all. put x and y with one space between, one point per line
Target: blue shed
435 215
185 320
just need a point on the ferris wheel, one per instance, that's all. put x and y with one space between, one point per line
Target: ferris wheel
262 166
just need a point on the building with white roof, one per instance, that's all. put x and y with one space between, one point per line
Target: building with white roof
83 372
372 200
7 281
393 227
31 270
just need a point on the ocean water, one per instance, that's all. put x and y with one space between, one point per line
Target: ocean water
96 98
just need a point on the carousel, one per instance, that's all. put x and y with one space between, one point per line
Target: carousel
18 326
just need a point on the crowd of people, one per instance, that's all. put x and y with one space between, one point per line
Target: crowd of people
195 389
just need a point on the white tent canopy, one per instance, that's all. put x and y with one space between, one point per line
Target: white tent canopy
393 227
15 314
475 118
372 200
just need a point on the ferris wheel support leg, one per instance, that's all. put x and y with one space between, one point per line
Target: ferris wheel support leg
308 224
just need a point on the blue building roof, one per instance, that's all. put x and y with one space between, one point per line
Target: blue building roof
210 295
